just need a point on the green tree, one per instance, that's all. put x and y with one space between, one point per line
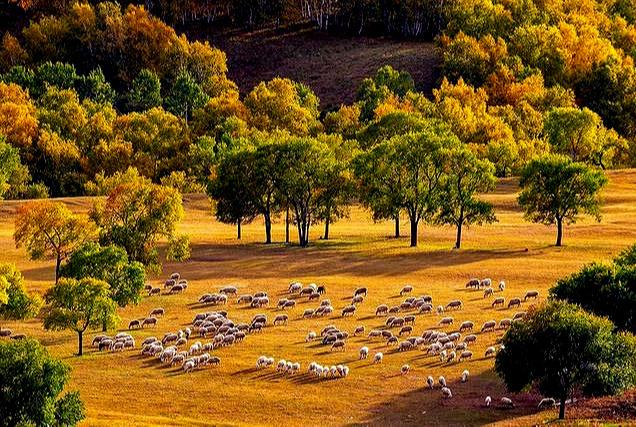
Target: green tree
95 87
31 382
136 215
387 81
562 349
185 96
15 302
59 74
468 176
10 168
77 305
554 190
145 92
50 230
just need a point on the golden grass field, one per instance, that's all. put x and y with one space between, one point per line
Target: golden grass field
126 389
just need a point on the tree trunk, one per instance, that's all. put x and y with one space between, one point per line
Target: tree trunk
562 407
559 231
327 221
58 263
104 326
414 224
287 225
458 243
397 226
268 229
238 229
80 336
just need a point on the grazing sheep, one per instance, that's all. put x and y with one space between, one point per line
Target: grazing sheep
446 321
308 313
348 310
175 276
181 342
406 330
358 299
455 305
485 283
339 344
306 291
426 308
375 334
358 331
391 341
281 319
147 287
465 375
397 322
498 301
466 355
547 402
442 381
507 402
177 289
134 324
289 304
169 283
487 401
502 286
244 299
314 296
451 357
514 302
519 315
440 309
321 290
149 321
229 290
406 290
214 361
360 291
531 294
377 358
157 312
154 291
473 283
446 392
260 294
405 369
430 381
488 292
310 336
394 309
489 326
405 346
466 326
409 319
189 365
505 323
490 351
364 352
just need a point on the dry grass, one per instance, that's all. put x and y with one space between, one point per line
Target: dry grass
125 389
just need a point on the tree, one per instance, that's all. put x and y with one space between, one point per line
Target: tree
77 305
18 121
554 189
15 302
136 215
110 263
95 87
603 289
10 167
145 92
185 96
563 350
50 230
467 177
31 382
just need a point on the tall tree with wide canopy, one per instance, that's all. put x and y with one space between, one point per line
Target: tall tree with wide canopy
15 302
50 230
565 350
556 190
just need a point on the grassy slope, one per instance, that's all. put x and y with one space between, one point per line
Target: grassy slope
123 388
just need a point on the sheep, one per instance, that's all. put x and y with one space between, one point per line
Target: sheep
405 369
446 392
519 315
446 321
406 290
498 301
455 305
281 319
487 401
244 299
314 296
321 290
507 402
488 292
181 342
489 326
434 348
364 352
451 357
531 294
195 348
505 323
188 366
260 294
409 319
426 308
229 290
214 361
391 341
147 287
502 286
514 302
464 376
289 304
442 381
430 381
169 283
406 330
175 276
134 324
149 321
485 283
473 283
306 291
465 355
157 312
154 291
375 334
178 288
360 291
394 309
339 344
490 351
149 340
358 299
440 309
466 326
310 336
547 402
348 310
377 358
405 346
295 287
396 322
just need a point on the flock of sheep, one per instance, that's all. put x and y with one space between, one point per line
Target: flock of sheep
214 329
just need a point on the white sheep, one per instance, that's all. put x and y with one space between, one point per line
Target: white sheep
507 402
487 401
548 402
442 381
502 285
189 365
446 392
465 375
364 353
405 369
430 381
310 336
490 351
378 357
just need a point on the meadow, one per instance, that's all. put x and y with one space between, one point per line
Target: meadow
122 388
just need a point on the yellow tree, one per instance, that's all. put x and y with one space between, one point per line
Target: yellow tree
50 230
18 120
